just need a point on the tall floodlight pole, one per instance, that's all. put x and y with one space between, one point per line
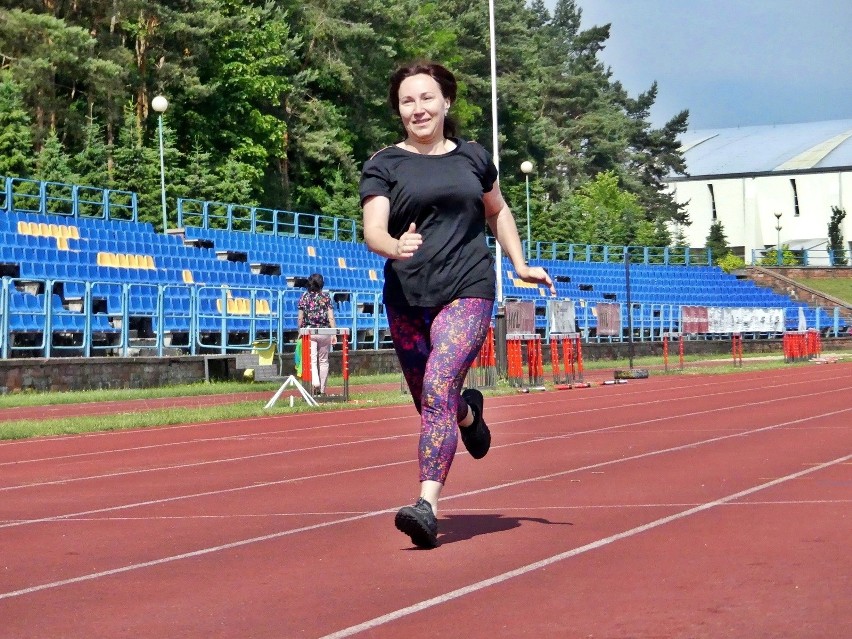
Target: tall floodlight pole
526 168
160 104
500 316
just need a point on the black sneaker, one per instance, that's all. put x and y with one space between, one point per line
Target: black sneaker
419 523
476 437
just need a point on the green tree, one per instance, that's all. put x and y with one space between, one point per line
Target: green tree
200 181
52 163
48 56
717 242
283 101
835 236
92 161
137 168
788 257
609 214
15 134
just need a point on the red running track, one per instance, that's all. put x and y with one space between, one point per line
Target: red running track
699 507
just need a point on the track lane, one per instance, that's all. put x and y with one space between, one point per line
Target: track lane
500 526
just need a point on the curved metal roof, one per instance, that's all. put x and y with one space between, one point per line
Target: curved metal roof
766 149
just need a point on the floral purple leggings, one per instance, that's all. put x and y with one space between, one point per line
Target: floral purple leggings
436 347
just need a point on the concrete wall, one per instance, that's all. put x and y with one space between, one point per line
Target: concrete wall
66 374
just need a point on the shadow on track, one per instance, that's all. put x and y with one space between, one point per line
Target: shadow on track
459 527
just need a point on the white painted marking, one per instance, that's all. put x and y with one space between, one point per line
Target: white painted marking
523 570
285 533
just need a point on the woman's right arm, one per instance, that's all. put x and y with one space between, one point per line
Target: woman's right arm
378 240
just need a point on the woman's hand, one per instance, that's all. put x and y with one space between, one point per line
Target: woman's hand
536 275
408 243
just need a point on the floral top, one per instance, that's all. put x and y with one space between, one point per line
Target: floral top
315 307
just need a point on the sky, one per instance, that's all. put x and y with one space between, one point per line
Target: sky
731 62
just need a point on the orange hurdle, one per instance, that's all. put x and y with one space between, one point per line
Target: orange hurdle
515 346
572 361
737 348
666 338
483 370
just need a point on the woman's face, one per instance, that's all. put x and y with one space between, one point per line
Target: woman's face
422 108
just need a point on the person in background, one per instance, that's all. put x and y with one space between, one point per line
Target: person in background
316 311
426 202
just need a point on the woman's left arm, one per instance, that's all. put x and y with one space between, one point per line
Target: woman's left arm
331 321
502 224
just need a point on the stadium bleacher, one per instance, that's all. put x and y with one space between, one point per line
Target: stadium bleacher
77 284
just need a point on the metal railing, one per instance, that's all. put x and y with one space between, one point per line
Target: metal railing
55 198
254 219
801 257
133 318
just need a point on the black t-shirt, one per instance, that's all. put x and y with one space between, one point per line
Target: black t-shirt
442 195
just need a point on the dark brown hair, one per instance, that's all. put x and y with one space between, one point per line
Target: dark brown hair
440 74
315 283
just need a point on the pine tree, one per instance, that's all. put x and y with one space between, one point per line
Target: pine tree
54 166
137 168
91 163
835 236
716 242
52 163
15 134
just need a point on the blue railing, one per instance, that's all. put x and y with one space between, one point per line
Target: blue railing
108 318
608 253
801 257
254 219
55 198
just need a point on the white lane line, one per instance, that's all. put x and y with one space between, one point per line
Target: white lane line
375 513
740 389
224 460
210 493
386 465
282 433
523 570
241 458
502 509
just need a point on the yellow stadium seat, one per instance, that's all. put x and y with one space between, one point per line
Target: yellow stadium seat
149 262
187 277
373 275
123 262
341 262
32 228
53 230
43 229
312 252
74 233
23 228
62 243
262 307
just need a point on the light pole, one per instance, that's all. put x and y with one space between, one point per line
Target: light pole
160 104
527 168
778 229
500 313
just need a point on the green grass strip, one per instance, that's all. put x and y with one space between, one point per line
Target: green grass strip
24 428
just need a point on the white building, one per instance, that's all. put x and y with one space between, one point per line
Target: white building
744 176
